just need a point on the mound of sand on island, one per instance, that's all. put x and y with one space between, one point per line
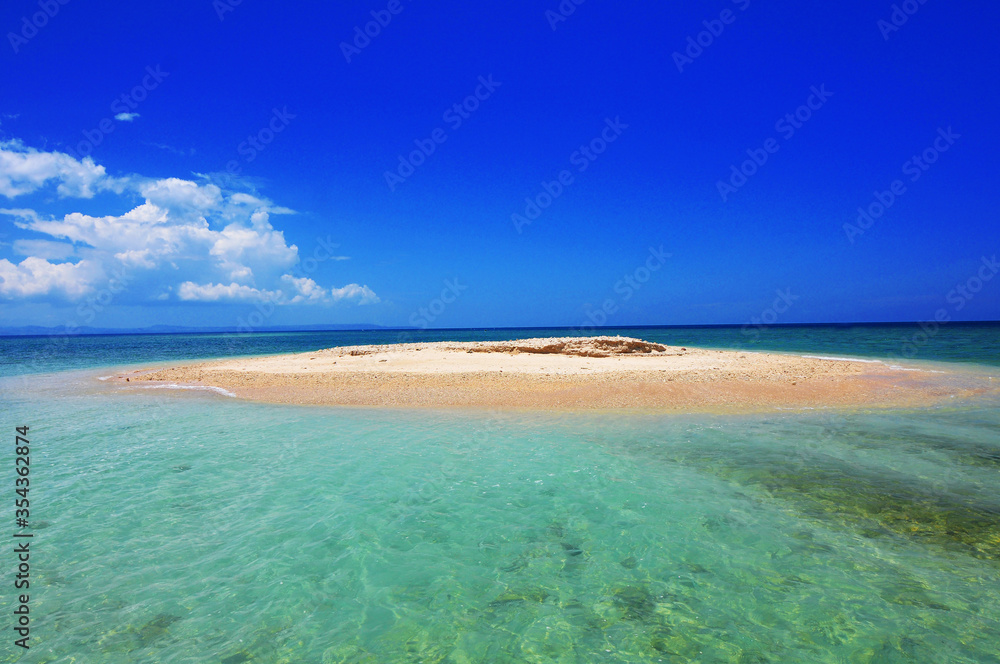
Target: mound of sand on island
582 347
564 373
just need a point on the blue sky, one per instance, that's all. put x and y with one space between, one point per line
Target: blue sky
193 162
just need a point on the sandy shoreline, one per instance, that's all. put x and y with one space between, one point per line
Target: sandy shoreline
595 373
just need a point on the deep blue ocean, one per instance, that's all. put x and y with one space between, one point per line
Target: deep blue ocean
176 526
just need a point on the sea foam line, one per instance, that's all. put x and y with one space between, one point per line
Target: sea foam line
175 386
895 367
899 368
843 359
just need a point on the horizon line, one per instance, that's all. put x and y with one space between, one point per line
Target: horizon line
150 330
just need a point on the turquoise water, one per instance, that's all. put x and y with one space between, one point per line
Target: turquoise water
191 527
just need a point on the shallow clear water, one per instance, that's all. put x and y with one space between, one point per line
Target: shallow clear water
191 527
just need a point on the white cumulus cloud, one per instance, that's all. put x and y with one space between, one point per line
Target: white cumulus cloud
188 241
305 289
37 276
24 170
296 290
362 294
215 292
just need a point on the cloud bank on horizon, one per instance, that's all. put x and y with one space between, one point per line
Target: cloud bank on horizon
186 241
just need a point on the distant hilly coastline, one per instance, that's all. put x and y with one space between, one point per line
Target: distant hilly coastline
38 330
